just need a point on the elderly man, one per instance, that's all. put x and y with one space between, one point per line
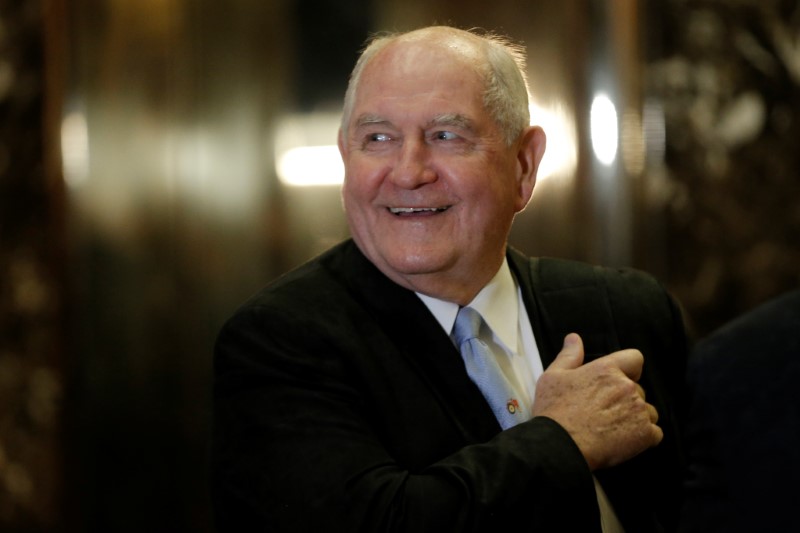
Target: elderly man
398 382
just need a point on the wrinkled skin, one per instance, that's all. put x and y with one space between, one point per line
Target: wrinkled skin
600 403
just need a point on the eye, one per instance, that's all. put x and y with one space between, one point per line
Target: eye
445 136
378 137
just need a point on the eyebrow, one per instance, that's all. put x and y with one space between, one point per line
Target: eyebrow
369 120
453 120
446 119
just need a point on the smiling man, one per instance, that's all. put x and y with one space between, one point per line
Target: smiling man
425 377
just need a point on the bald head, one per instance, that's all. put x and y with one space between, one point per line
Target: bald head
499 64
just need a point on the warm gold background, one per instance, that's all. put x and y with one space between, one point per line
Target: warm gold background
122 250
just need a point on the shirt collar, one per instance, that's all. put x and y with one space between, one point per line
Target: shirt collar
497 303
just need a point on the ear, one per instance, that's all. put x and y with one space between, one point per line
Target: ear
532 144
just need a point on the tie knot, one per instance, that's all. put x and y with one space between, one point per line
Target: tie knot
467 326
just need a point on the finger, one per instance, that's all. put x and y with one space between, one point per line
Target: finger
630 362
658 433
652 413
571 354
640 391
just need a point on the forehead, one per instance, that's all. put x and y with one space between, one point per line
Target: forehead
443 70
416 82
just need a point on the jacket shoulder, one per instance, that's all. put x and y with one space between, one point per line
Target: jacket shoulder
613 307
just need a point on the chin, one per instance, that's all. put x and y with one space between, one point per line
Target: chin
416 262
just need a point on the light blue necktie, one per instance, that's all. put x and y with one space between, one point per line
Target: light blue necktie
483 370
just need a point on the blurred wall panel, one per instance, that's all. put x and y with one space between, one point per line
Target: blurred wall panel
726 80
174 220
31 283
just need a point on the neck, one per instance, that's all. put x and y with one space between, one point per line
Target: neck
459 289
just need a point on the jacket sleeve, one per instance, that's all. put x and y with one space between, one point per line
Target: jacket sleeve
298 445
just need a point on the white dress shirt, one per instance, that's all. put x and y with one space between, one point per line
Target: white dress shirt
500 305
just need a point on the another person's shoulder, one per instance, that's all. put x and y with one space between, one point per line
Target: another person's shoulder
774 321
760 344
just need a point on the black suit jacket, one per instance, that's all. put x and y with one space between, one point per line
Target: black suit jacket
341 405
743 430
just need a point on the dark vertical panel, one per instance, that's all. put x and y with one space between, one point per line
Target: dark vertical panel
328 35
31 299
169 232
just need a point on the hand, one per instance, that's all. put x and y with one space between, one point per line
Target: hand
600 404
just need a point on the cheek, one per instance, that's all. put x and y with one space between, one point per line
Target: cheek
351 202
362 181
498 206
358 196
354 184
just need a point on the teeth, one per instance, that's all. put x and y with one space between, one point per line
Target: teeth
399 210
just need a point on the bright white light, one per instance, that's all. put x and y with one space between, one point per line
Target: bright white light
604 129
304 151
560 156
311 165
75 149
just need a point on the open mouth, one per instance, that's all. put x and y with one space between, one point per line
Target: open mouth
406 211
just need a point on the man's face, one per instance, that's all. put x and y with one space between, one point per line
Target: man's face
431 187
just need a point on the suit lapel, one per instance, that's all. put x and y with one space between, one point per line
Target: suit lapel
531 297
563 297
416 335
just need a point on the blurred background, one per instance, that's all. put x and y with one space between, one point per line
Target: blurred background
161 160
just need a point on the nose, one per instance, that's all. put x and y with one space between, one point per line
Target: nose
413 167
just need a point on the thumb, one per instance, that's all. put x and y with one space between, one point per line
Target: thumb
571 355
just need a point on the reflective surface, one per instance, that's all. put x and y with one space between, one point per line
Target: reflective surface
155 205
